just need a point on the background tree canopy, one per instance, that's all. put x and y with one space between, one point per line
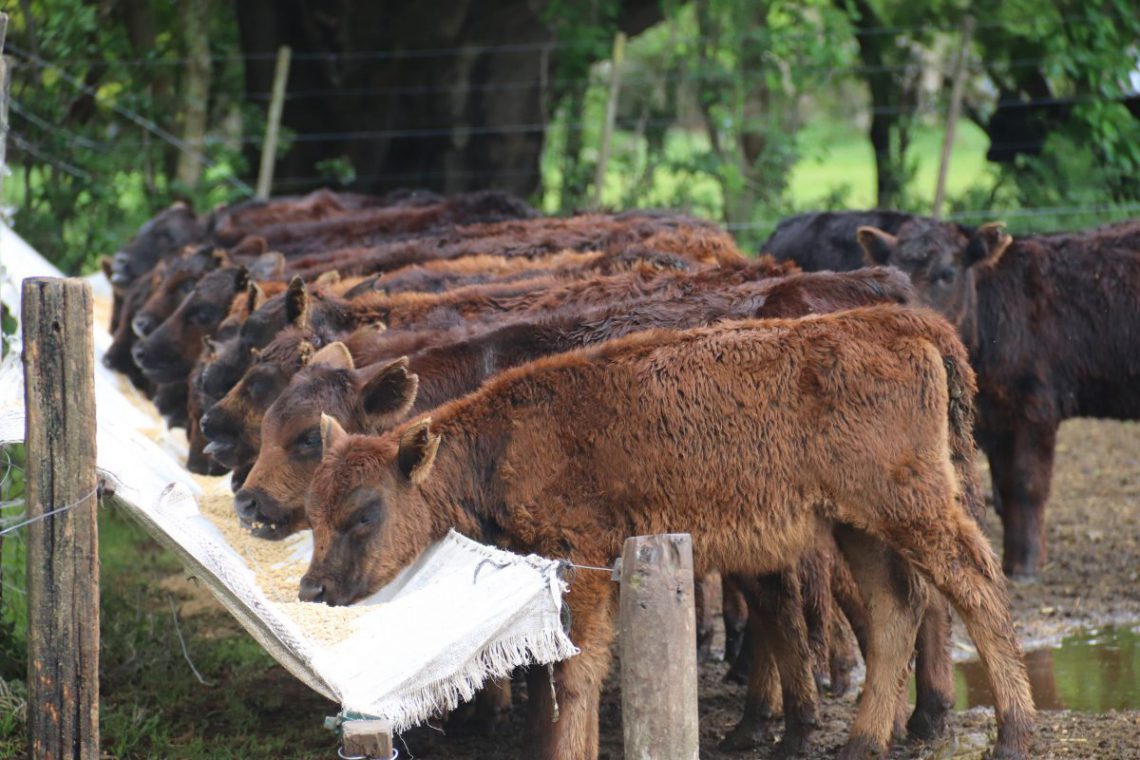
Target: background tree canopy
743 110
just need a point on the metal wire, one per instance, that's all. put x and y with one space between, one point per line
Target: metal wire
94 491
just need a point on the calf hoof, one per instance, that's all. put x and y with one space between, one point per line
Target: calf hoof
861 748
927 723
745 736
704 647
841 679
791 745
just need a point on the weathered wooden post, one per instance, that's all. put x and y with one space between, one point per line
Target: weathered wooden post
952 115
616 60
273 125
371 739
63 548
658 640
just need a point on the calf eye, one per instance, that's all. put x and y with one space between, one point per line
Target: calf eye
185 287
945 276
308 444
368 516
202 316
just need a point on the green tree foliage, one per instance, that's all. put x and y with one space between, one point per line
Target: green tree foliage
85 77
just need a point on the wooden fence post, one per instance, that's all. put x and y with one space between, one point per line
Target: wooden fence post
3 98
273 123
367 738
63 548
611 113
658 640
952 115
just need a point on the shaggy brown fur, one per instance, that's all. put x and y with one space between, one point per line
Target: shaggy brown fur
376 225
680 235
1050 322
666 431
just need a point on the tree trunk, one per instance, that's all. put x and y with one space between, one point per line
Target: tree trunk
893 99
195 17
444 94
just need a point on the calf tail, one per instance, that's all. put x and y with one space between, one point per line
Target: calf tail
961 386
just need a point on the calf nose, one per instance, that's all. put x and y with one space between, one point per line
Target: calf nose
311 590
206 424
143 325
138 353
245 502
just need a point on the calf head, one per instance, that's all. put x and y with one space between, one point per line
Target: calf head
363 400
160 238
266 317
177 280
367 512
942 261
170 351
233 425
118 356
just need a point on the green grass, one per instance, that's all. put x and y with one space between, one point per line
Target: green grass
151 704
838 156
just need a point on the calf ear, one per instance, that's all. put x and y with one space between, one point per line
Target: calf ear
878 246
105 265
417 451
297 303
221 258
389 388
242 279
250 245
331 433
334 355
268 266
331 277
256 296
988 243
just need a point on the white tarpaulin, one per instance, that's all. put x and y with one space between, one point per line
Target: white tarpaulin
463 613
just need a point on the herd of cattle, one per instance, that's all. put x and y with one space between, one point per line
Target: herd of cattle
384 369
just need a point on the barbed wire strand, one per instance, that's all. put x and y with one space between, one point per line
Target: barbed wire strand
93 492
602 40
182 643
135 118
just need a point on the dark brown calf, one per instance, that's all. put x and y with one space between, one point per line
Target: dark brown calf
666 431
1052 328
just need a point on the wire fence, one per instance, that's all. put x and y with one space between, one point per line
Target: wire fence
30 130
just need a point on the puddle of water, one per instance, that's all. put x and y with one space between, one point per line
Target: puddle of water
1091 672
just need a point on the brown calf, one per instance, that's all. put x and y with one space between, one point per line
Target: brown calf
1051 325
755 437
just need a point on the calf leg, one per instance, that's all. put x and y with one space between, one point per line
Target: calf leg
735 612
895 598
947 545
577 681
815 579
786 630
934 675
1022 464
763 700
706 592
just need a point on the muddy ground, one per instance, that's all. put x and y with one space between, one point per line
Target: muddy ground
1090 579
